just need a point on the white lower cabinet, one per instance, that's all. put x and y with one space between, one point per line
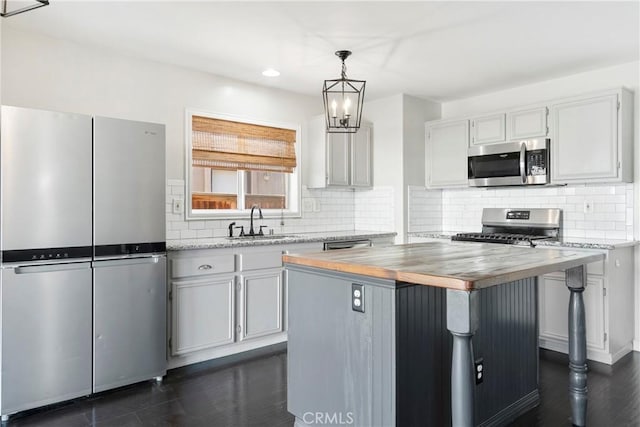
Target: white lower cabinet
608 299
261 300
207 304
226 301
554 301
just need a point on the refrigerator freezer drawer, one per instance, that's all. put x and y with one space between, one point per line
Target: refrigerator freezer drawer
46 335
129 321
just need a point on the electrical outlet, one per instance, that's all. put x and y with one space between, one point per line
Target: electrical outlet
479 370
176 206
588 206
357 297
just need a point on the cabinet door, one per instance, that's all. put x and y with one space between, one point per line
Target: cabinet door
554 304
361 157
446 154
261 304
584 146
488 129
530 123
203 313
338 147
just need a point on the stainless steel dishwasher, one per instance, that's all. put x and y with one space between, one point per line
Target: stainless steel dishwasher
347 244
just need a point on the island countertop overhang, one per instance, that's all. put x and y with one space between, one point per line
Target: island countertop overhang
453 265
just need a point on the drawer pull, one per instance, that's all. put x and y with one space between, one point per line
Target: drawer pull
205 267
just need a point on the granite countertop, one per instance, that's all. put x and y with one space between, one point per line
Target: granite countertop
587 243
224 242
447 264
432 234
564 242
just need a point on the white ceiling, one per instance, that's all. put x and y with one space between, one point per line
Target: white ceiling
435 50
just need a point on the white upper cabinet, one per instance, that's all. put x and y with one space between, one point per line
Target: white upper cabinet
338 152
361 157
447 143
338 159
529 123
488 129
592 138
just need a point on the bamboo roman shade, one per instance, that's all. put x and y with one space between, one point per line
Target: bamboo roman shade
229 145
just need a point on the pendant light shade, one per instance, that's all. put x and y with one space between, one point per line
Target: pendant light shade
343 100
13 7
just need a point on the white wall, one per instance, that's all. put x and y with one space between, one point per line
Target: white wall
416 112
386 116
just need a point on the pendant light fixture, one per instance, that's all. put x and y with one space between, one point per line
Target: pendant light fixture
343 100
13 7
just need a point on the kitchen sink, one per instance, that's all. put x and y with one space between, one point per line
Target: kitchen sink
264 237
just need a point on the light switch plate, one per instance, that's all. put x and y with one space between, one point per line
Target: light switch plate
176 206
307 205
588 206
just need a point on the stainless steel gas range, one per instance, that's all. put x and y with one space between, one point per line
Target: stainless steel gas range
516 226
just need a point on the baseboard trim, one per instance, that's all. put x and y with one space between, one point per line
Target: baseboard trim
226 350
237 357
595 355
513 411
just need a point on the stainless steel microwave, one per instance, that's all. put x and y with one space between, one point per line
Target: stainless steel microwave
512 163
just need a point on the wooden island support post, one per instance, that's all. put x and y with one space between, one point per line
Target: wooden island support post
464 274
463 321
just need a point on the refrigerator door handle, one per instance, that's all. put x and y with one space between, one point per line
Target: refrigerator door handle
23 269
153 259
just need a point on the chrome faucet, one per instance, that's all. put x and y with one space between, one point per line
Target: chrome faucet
251 232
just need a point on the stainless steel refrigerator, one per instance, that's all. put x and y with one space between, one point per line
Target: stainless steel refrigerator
45 283
82 274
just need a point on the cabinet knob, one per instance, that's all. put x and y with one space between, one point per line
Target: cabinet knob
205 267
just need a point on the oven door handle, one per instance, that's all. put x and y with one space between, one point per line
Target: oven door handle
523 166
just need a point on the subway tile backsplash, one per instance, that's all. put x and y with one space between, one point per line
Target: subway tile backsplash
322 210
425 210
609 211
449 211
374 209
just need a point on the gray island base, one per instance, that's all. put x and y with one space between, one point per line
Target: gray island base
456 344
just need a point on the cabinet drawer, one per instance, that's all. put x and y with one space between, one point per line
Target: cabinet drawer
200 266
260 260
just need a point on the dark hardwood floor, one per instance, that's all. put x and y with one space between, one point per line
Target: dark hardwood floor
253 393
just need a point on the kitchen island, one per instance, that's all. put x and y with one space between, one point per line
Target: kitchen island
383 336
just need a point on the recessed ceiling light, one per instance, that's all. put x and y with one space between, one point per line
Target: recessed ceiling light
270 72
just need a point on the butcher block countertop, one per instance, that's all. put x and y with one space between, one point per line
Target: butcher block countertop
454 265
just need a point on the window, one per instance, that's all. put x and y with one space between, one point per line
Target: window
233 165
